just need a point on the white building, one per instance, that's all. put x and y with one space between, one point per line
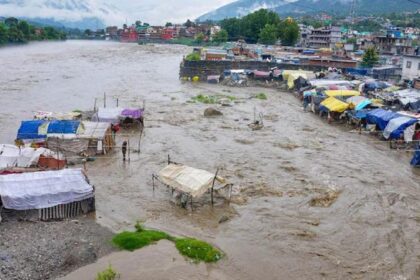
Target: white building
410 67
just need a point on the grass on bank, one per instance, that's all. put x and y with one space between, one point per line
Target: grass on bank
194 249
211 99
261 96
107 274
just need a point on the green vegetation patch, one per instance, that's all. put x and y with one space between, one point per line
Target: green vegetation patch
135 240
198 250
192 248
211 99
193 57
261 96
107 274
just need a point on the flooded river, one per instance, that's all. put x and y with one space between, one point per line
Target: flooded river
274 229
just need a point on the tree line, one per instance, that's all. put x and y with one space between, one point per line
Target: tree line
262 26
13 31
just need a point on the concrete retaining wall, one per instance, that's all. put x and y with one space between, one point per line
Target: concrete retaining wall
205 68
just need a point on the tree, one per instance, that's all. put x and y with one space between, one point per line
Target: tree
288 32
24 27
199 38
221 36
370 58
15 35
189 23
168 24
11 21
4 36
268 35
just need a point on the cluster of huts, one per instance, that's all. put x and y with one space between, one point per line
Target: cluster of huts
35 180
390 111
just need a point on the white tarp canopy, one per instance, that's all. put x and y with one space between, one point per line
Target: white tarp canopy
13 156
111 115
37 190
324 83
93 130
192 181
395 124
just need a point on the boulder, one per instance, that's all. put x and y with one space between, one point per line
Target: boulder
211 112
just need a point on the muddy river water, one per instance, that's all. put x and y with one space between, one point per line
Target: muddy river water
273 231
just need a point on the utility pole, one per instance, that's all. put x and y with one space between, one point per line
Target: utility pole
352 11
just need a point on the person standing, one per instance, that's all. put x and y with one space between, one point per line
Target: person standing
124 149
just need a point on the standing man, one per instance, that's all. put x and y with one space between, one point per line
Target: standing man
124 149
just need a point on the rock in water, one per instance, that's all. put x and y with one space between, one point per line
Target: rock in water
211 112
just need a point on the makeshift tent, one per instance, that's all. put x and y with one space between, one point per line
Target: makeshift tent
358 102
43 115
396 127
99 135
111 115
213 79
334 105
63 129
28 131
325 83
132 113
13 156
380 117
332 93
192 181
261 74
291 75
37 190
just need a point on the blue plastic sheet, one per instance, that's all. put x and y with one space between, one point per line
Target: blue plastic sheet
416 158
29 130
380 117
63 127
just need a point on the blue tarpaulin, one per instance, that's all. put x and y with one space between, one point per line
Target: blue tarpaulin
416 158
29 130
396 126
357 71
380 117
63 127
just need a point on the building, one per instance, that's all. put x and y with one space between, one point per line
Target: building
304 33
395 42
129 35
325 37
410 67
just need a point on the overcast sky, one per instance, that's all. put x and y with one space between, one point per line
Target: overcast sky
151 11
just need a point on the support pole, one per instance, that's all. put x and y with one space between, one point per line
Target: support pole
153 182
104 100
94 105
117 101
212 186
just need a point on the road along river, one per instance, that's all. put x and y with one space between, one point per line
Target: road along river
275 230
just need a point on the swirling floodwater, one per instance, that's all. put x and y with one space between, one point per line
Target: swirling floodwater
366 227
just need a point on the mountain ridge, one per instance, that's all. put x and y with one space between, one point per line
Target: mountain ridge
300 7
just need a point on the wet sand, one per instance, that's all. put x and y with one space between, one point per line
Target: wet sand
371 231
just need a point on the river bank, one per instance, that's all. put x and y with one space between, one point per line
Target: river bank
272 228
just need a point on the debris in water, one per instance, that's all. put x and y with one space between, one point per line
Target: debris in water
325 200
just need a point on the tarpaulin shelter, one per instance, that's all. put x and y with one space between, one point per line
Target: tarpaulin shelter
333 93
380 117
358 102
396 126
189 180
28 131
12 156
325 83
99 135
291 75
134 113
111 115
334 105
38 190
62 128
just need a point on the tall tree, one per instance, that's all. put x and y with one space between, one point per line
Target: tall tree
288 32
370 58
3 34
24 27
268 35
221 36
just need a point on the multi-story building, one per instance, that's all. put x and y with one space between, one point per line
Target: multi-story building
410 67
395 42
325 37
